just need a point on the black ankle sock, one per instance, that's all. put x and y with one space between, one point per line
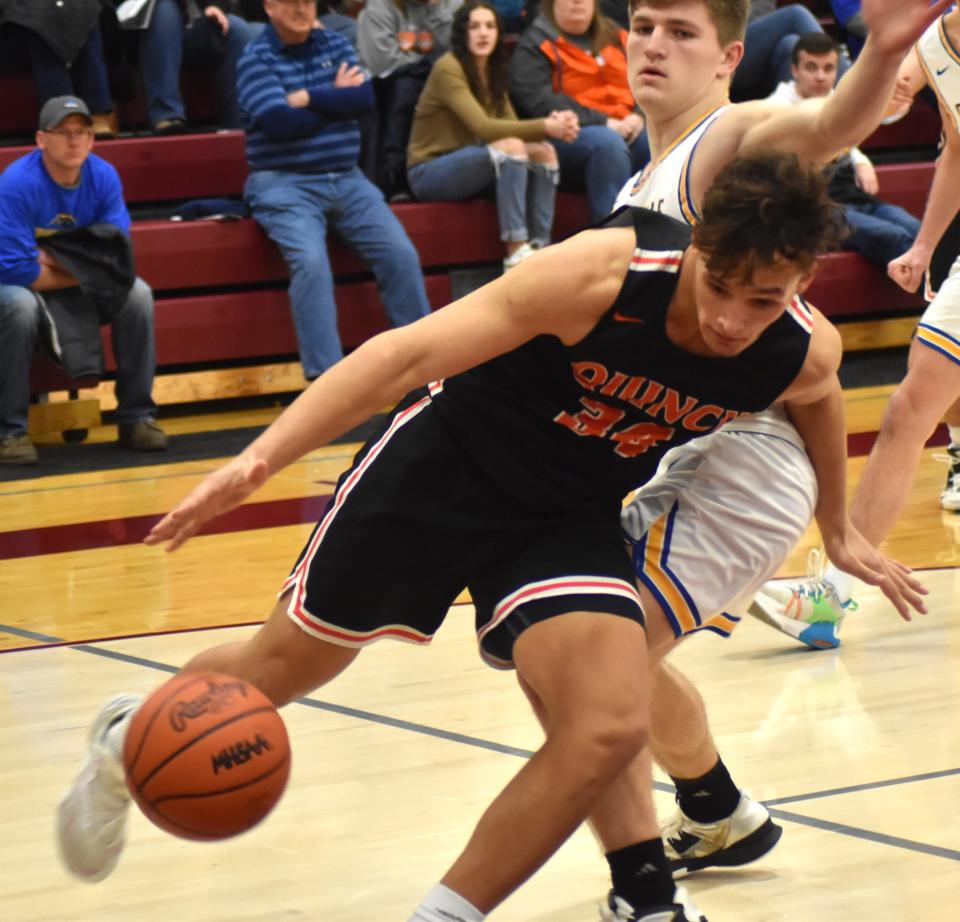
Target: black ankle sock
710 797
641 874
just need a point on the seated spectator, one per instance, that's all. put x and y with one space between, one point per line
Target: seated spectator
880 231
46 195
331 14
571 57
63 48
183 32
768 51
303 143
467 139
398 41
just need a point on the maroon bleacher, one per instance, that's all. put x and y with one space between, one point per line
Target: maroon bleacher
199 270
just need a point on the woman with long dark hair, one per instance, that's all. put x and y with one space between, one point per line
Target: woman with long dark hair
466 137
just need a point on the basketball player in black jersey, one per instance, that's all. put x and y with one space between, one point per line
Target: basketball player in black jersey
532 406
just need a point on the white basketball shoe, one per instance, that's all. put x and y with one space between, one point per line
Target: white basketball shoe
681 910
744 836
92 817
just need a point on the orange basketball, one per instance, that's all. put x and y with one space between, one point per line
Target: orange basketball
206 756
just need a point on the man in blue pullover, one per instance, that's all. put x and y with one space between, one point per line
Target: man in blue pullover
301 90
62 186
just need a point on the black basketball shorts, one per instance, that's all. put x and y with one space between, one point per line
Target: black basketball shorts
413 522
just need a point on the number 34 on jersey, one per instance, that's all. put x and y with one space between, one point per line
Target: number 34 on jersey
639 413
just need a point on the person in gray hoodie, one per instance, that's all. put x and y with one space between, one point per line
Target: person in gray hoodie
398 41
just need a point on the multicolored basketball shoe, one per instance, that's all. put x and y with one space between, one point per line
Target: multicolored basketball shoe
950 497
810 612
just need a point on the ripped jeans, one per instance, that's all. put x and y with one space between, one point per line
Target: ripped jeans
525 191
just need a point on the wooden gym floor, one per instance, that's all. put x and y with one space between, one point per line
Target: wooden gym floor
856 751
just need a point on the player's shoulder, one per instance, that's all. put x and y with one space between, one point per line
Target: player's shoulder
660 230
738 118
826 345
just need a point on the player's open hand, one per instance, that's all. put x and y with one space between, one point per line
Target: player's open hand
220 492
853 554
896 25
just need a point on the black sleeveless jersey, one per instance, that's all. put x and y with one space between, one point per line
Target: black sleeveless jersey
574 425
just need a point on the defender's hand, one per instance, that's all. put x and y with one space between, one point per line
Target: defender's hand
853 554
894 26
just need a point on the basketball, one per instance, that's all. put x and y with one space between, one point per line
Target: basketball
206 756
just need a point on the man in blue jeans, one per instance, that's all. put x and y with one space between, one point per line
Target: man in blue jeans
62 186
879 230
202 35
301 90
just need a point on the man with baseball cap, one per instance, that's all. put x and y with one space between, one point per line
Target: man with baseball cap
59 187
58 108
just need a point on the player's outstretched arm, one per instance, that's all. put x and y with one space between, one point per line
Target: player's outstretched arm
563 291
818 130
942 207
814 403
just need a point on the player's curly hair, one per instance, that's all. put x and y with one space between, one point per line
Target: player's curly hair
765 207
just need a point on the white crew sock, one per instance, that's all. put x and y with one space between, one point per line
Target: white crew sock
842 582
441 904
954 436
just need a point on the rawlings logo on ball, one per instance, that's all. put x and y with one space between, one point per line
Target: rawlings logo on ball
217 698
239 753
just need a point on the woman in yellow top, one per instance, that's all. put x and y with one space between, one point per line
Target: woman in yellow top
466 137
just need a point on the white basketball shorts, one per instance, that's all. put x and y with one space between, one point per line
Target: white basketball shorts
719 519
939 327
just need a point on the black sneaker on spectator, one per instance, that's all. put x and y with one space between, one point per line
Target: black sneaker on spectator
145 435
17 449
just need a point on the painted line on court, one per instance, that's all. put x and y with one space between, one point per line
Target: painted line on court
47 642
869 786
83 536
490 746
310 459
30 635
858 833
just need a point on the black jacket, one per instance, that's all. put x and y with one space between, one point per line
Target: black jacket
65 25
100 257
